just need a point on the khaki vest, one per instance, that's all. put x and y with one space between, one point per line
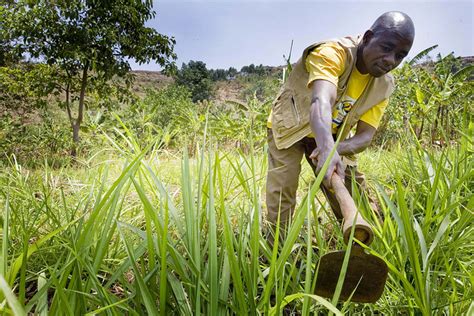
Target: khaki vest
291 108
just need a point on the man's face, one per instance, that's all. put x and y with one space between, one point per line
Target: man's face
383 52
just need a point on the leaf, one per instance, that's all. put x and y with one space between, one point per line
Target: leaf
239 105
420 97
42 306
421 55
466 71
442 229
422 242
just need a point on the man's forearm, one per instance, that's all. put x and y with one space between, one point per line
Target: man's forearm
354 145
323 97
320 121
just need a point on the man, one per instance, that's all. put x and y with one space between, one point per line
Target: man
335 86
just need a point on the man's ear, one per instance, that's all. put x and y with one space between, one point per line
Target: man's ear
367 37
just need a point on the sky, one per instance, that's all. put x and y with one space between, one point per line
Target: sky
235 33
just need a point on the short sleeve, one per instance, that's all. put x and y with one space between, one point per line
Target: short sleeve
374 115
326 62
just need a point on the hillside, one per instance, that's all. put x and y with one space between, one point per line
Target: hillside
235 89
149 79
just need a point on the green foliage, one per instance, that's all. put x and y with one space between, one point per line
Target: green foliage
431 211
232 72
160 113
263 88
26 86
164 106
218 74
434 98
34 138
67 33
223 74
7 54
197 78
240 124
89 41
171 115
251 69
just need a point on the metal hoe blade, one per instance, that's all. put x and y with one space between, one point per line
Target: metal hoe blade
366 274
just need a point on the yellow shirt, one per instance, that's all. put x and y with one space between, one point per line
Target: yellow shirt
326 62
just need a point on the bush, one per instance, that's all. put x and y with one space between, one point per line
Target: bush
159 114
35 138
263 88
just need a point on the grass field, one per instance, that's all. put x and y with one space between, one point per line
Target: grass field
147 232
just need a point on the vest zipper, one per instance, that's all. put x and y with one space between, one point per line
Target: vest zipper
295 110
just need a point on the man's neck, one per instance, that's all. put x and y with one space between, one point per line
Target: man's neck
359 62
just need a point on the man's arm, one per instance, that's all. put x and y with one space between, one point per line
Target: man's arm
359 142
323 97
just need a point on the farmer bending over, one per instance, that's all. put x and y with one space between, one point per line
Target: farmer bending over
335 82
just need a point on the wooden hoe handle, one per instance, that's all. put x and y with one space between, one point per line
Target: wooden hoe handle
362 232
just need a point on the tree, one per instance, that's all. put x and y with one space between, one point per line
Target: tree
251 69
6 56
232 73
218 74
91 41
197 79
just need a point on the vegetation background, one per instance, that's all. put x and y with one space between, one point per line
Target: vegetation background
142 193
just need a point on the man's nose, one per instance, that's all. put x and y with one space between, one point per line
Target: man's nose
389 60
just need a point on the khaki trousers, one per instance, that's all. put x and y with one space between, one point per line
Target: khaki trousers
284 167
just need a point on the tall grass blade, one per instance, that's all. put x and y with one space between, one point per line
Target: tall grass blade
213 251
42 305
318 299
11 298
163 263
145 293
5 238
229 239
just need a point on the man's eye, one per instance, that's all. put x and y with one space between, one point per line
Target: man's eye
400 56
386 48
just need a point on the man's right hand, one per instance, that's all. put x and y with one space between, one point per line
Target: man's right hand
319 157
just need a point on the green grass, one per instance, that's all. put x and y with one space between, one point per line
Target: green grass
145 232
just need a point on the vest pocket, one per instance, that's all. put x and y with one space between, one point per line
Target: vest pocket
295 110
285 110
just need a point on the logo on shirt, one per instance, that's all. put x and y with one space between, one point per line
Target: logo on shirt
342 108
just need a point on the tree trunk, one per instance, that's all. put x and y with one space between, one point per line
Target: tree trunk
420 131
80 112
68 107
447 128
75 138
436 123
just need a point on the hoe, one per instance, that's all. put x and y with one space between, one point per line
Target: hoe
366 274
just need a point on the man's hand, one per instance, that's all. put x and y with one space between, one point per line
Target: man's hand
335 165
